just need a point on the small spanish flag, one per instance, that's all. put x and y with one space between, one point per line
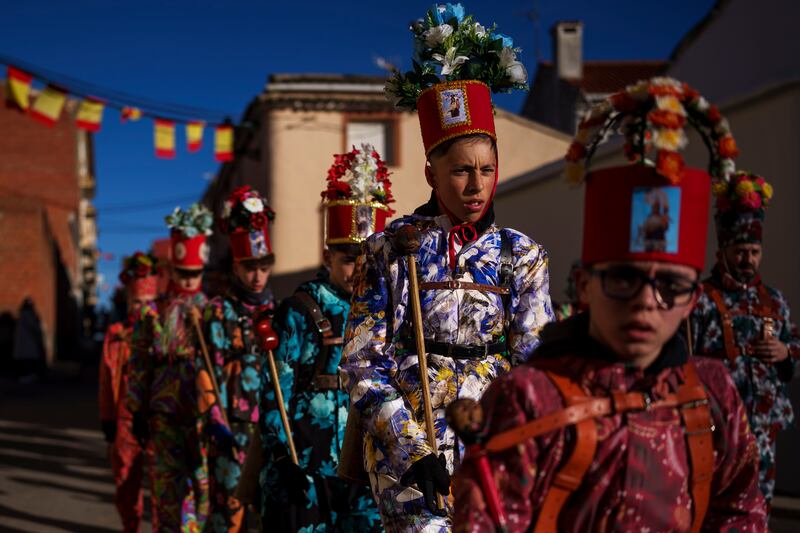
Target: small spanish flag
194 135
165 138
90 115
130 113
19 85
48 105
223 143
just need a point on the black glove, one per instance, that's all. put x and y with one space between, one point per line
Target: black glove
291 477
141 428
430 475
109 429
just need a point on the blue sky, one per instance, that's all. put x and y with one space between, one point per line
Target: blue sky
217 55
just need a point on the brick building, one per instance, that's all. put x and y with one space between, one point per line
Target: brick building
48 237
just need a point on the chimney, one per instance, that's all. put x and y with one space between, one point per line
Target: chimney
568 49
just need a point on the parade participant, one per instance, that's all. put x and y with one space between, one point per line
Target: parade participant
163 392
127 457
746 323
484 289
230 396
612 425
310 327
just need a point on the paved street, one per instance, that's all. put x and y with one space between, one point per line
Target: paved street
54 476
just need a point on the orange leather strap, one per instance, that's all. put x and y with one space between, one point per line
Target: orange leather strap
767 303
570 475
727 321
455 284
698 426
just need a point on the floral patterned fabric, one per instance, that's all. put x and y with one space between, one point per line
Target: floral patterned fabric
237 361
317 417
637 480
380 366
163 387
761 385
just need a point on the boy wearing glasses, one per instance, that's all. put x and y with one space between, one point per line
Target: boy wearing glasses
745 323
162 393
612 425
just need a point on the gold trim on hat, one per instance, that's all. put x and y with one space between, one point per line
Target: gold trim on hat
353 238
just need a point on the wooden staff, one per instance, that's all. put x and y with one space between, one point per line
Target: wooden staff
212 375
269 341
407 243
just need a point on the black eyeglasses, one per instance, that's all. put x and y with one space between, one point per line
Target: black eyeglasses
187 274
625 282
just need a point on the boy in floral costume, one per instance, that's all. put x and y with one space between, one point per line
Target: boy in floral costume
484 290
744 322
612 425
231 420
310 326
127 456
162 393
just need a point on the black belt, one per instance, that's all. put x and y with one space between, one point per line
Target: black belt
464 351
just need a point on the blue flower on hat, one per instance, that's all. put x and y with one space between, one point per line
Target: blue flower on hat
445 12
508 42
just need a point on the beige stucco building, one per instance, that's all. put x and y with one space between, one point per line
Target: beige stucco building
292 129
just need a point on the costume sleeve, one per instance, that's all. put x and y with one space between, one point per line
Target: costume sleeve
530 307
736 504
368 364
139 362
105 392
788 335
290 326
217 342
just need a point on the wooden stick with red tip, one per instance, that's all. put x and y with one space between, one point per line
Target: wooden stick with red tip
269 341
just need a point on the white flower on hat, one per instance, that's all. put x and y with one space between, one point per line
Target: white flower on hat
449 61
478 30
436 35
669 139
515 70
254 205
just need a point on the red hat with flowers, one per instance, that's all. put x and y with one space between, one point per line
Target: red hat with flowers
357 197
655 209
245 219
740 208
458 63
189 230
140 275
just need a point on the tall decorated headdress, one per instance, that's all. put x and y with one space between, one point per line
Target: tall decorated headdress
457 64
245 219
656 208
740 208
356 201
189 229
140 275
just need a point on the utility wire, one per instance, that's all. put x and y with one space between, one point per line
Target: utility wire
145 205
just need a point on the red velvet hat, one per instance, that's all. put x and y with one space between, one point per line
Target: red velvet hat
655 209
188 253
245 219
140 276
355 201
454 109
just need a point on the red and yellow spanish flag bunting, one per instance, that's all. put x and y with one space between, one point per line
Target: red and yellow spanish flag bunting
19 85
48 105
130 113
165 138
194 135
223 143
90 115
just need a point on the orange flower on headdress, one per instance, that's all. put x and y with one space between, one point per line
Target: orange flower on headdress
670 165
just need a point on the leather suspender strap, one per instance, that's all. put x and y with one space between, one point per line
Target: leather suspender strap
727 321
456 284
698 426
766 303
325 330
570 475
320 321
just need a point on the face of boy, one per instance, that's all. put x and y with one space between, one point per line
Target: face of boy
636 328
253 273
187 280
340 266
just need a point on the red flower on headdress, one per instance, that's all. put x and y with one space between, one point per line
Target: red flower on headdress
714 114
623 102
258 220
142 270
752 200
727 147
670 165
666 119
576 152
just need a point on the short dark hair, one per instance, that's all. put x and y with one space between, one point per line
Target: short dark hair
254 262
443 148
350 249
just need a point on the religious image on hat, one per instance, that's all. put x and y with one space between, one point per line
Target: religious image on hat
656 208
245 219
189 229
140 275
740 208
356 200
458 63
